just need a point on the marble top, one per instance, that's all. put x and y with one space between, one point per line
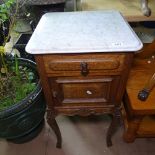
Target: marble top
83 32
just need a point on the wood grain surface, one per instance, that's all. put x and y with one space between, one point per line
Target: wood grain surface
131 9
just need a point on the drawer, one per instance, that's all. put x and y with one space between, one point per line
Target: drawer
88 64
101 90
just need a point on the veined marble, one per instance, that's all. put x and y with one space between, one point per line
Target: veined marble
83 32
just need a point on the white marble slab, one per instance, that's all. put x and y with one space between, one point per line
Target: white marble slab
83 32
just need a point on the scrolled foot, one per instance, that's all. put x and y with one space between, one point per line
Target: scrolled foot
59 145
53 124
109 142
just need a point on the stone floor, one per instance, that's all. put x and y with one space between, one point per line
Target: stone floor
81 136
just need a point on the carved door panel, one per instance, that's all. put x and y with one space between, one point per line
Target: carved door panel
84 91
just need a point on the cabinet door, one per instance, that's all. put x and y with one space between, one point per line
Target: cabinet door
84 91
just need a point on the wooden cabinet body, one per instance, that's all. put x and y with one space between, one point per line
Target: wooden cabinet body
83 59
84 84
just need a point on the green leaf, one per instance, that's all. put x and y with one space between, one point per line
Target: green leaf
2 50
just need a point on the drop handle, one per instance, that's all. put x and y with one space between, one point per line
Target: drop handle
84 68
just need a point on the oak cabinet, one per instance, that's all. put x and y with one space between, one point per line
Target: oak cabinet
83 59
84 84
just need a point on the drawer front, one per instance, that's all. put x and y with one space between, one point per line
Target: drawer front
88 64
84 91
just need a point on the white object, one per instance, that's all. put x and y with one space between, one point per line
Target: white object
83 32
89 92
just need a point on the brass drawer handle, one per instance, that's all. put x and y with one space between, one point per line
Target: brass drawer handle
84 68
